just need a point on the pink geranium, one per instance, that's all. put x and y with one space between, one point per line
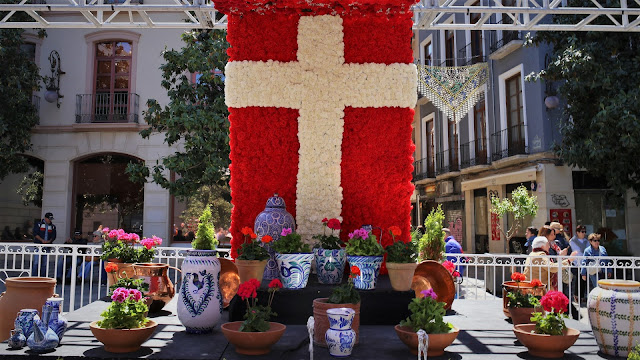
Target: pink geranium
286 231
361 233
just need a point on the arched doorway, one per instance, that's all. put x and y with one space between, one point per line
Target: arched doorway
104 195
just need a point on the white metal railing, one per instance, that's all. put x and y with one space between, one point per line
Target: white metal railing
78 268
484 274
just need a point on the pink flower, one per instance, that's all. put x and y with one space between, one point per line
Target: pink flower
134 237
361 233
148 243
120 295
286 231
105 230
157 240
429 293
135 294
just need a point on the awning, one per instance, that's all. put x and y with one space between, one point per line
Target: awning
525 175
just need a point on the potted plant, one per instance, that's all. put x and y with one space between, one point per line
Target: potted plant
522 304
200 299
401 261
431 245
427 314
329 254
548 337
126 249
128 283
342 296
519 284
124 325
364 251
293 258
256 334
252 257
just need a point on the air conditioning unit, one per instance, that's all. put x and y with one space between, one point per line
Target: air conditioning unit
446 187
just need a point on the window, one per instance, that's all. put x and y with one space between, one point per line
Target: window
480 131
515 118
428 53
29 49
112 81
450 48
476 37
431 147
453 145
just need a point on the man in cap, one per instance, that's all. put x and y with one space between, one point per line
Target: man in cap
452 246
64 262
44 232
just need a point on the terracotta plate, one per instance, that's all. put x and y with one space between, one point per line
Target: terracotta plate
229 280
432 275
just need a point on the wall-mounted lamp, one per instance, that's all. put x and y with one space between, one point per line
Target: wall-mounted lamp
53 82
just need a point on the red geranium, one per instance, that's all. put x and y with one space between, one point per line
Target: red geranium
555 302
333 224
253 236
266 239
518 277
536 283
325 220
355 271
247 290
275 283
449 266
111 267
395 231
246 230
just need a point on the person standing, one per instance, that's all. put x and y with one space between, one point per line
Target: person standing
452 246
530 234
578 243
561 237
44 232
594 250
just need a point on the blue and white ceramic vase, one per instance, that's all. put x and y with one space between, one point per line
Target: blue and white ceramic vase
369 270
271 221
25 321
294 269
200 300
330 265
57 323
340 337
43 338
17 339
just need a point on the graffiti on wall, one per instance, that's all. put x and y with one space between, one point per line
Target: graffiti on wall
560 200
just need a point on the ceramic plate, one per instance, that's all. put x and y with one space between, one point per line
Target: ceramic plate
432 275
229 280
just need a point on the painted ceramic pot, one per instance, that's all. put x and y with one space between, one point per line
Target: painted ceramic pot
57 322
321 320
369 270
43 338
200 300
330 265
17 339
294 269
26 320
609 306
271 221
340 337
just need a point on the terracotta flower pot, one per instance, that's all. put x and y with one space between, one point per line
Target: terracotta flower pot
546 346
525 288
22 293
437 342
253 343
521 315
125 270
123 340
321 320
251 269
401 275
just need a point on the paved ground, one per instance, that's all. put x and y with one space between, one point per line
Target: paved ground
485 334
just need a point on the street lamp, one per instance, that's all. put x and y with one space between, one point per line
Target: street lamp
53 82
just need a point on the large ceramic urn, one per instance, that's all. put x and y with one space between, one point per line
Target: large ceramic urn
22 293
613 306
200 300
271 221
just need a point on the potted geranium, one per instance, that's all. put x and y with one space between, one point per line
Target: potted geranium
199 301
253 256
126 249
124 325
364 251
548 337
256 334
521 285
401 261
427 314
342 296
329 254
293 258
520 304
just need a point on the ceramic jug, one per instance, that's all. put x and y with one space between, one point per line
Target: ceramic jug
271 221
17 339
57 323
161 289
26 320
43 339
22 293
200 299
340 337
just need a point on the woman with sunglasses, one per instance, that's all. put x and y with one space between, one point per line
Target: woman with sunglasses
594 249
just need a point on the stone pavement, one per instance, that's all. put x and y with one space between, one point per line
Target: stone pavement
484 334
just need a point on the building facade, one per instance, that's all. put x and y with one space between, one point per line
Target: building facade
504 142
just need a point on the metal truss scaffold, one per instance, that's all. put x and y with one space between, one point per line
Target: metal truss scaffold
522 15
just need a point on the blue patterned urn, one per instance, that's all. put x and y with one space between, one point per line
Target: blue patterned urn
330 265
340 337
200 300
369 270
43 338
25 321
271 221
57 323
294 269
17 339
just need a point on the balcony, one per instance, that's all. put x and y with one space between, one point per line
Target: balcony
447 161
473 153
118 107
509 142
423 169
466 56
509 42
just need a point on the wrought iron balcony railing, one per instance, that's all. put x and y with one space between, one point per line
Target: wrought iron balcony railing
467 57
117 107
424 169
507 37
473 153
447 161
509 142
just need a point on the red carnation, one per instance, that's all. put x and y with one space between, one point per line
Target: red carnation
333 224
518 277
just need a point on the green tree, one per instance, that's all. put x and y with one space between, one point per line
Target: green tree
18 79
598 75
431 245
206 236
216 198
196 117
519 206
